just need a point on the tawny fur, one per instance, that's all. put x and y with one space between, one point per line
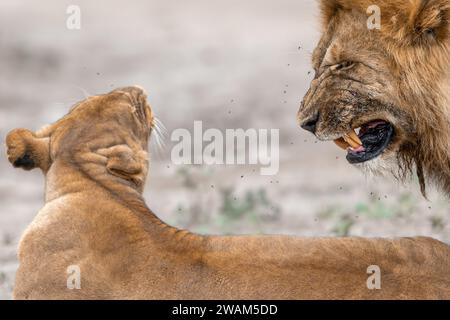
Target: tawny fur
95 217
404 67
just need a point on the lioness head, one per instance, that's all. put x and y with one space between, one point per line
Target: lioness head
104 136
383 94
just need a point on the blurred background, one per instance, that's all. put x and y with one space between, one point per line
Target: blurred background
231 64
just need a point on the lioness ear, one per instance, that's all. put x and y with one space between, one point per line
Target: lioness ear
125 163
25 150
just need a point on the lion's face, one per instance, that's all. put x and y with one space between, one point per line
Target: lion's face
352 97
370 90
122 116
105 136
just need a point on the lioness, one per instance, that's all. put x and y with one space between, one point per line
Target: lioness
392 84
95 162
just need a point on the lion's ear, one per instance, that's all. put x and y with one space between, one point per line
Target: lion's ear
328 9
25 150
125 163
408 22
430 19
417 22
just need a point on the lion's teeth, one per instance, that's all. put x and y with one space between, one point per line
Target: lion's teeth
352 143
349 140
354 136
352 139
342 143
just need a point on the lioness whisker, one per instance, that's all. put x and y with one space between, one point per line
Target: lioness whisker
159 136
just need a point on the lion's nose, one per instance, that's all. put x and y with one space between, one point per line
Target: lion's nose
311 123
133 90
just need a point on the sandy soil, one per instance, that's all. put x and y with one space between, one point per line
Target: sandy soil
231 64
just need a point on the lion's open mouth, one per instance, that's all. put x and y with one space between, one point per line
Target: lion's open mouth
370 142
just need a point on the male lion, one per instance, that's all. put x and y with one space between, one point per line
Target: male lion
393 84
95 221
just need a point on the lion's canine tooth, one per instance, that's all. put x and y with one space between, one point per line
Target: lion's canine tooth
352 139
352 134
352 143
342 143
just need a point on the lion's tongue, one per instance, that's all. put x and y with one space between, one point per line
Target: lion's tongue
350 140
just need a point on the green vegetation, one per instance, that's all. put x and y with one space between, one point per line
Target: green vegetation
221 209
376 207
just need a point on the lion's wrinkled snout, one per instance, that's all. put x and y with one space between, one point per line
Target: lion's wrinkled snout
310 123
327 117
351 119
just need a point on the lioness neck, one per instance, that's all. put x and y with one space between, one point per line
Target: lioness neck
117 204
